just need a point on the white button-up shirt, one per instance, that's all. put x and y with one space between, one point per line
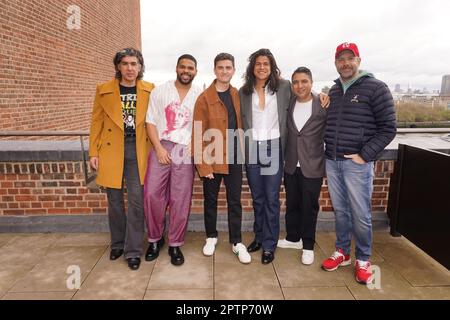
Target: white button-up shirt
173 119
302 113
265 122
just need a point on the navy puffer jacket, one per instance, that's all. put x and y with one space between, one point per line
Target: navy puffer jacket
361 121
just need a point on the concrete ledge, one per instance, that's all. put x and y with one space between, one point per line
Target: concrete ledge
99 223
30 151
54 224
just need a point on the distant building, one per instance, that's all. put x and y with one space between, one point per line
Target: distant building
429 99
444 101
445 88
326 89
398 88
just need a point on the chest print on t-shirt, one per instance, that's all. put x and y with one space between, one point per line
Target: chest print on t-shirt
177 117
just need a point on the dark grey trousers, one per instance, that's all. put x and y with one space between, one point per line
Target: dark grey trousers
127 230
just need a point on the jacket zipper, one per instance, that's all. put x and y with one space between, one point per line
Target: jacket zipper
338 124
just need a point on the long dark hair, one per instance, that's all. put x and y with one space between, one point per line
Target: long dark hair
249 77
129 52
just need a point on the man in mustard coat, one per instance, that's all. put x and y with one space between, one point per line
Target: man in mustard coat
118 150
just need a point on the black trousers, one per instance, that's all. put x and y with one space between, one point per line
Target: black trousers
302 207
233 187
127 230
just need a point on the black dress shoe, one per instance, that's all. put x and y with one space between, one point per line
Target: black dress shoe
254 246
267 257
115 254
134 263
176 256
153 250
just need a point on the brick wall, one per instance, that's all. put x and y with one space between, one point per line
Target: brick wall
48 73
50 188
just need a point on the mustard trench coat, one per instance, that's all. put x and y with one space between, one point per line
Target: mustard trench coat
106 139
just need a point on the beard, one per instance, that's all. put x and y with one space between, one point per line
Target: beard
179 78
348 73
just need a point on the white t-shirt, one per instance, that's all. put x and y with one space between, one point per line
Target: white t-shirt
173 119
265 122
302 113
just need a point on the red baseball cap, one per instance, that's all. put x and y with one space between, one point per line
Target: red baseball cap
347 46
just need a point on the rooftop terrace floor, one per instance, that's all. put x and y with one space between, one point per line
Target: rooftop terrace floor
34 267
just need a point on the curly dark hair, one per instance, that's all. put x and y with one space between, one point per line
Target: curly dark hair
129 52
249 77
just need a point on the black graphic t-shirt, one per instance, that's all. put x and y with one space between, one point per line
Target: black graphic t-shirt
128 97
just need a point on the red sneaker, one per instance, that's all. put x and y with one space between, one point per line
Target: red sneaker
337 259
363 271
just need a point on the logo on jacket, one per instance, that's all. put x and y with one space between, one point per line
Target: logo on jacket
355 98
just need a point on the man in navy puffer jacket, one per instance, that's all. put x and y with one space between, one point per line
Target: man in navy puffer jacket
361 122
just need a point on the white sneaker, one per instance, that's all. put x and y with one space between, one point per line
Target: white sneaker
283 243
308 257
210 246
241 251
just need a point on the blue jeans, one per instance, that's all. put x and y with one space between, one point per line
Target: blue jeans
350 186
264 179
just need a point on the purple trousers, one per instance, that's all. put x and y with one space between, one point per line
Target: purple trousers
168 185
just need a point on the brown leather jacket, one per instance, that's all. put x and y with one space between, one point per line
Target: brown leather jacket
210 113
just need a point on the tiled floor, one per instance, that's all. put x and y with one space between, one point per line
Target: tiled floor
35 266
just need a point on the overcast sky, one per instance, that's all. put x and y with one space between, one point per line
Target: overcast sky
400 41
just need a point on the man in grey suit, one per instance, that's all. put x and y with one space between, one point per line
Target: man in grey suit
304 166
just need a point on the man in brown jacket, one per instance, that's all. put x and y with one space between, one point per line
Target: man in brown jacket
217 119
118 149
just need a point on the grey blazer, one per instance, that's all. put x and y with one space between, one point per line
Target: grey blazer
306 146
283 99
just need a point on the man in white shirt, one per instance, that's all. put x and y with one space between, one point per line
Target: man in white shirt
170 173
304 165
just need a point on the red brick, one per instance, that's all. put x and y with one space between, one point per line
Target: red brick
58 211
379 195
36 211
13 191
23 191
18 212
80 210
25 198
13 205
99 210
48 198
380 181
71 198
91 197
6 185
